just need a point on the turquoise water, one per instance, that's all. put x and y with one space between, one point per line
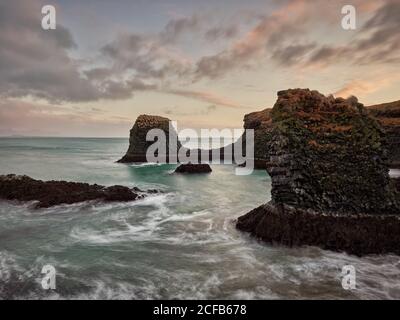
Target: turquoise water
175 245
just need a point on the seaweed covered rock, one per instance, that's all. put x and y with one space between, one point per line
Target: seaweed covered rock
138 145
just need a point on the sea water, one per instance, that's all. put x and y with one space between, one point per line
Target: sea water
179 244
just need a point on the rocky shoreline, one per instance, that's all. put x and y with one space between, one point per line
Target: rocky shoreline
52 193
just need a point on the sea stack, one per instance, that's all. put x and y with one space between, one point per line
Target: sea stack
330 182
137 140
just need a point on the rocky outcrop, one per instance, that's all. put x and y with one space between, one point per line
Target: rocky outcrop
137 140
259 121
193 168
53 193
388 114
327 159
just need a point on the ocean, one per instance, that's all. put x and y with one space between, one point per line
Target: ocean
179 244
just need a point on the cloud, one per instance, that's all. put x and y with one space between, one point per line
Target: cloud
221 32
36 62
176 27
292 54
287 36
175 112
25 118
207 97
377 41
143 55
39 63
362 87
267 34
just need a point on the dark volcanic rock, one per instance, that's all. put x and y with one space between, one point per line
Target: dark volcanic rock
193 168
137 140
328 166
388 114
329 155
354 234
52 193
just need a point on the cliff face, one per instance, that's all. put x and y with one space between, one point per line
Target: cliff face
388 115
330 182
137 140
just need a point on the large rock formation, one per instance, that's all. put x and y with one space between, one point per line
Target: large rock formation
327 161
388 114
53 193
137 140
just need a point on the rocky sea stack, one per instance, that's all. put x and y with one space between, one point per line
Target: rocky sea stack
329 171
193 168
137 140
53 193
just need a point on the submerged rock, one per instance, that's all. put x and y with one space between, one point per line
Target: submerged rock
193 168
52 193
327 156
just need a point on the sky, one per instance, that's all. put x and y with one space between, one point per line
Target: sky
202 63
